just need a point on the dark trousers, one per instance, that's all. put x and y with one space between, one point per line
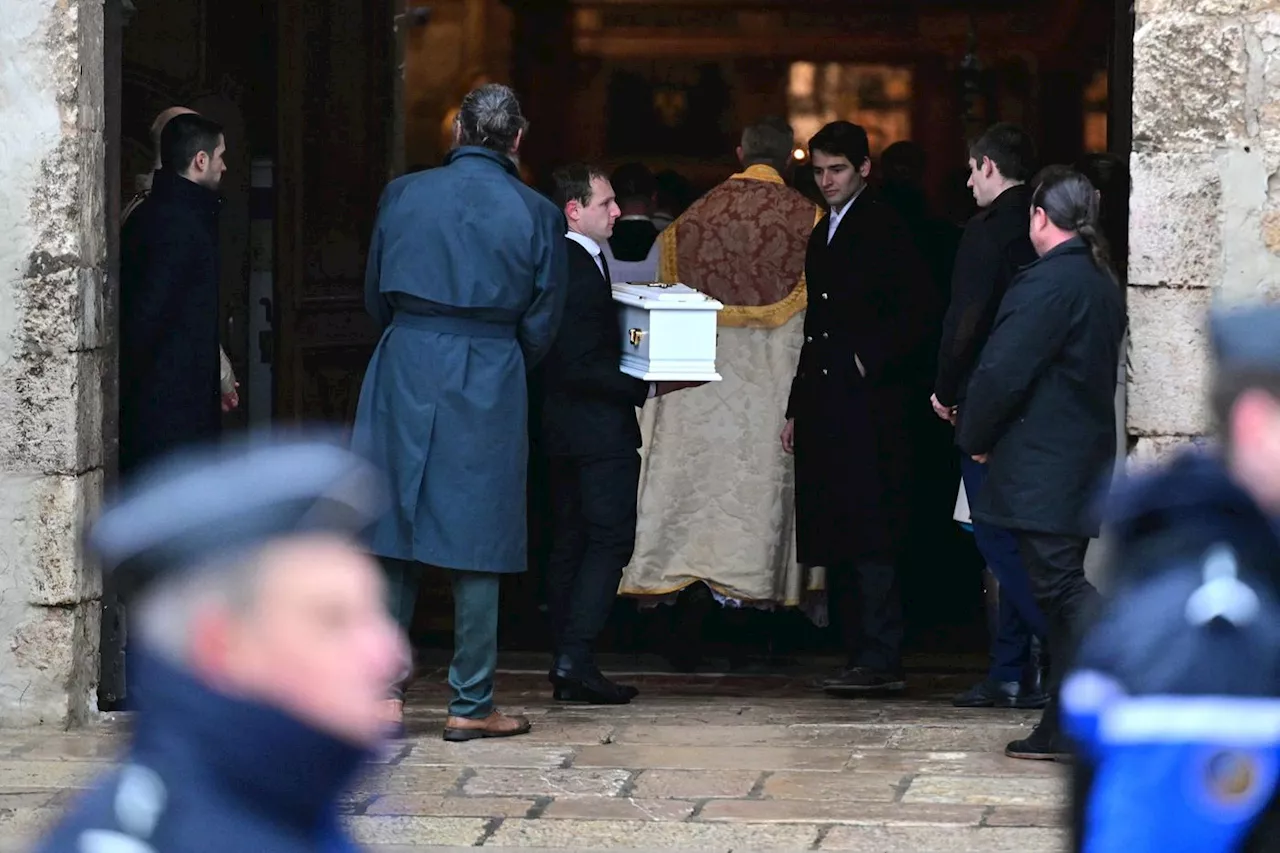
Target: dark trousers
593 501
863 600
475 630
1020 617
1056 566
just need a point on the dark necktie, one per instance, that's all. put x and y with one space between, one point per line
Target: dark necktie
604 266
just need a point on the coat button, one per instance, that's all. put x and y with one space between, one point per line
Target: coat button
824 336
824 371
824 296
808 339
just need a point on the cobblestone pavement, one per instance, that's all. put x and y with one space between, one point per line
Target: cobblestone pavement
696 763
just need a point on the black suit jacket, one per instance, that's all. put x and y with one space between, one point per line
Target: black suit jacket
994 247
588 404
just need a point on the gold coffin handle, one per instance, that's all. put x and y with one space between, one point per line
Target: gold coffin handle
635 336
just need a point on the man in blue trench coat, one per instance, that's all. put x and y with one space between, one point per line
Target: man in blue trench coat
467 272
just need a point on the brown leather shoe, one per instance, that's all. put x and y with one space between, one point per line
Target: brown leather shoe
497 724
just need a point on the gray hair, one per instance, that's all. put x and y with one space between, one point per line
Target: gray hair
768 141
162 617
490 117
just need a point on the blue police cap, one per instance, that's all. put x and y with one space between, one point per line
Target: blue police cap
1246 337
202 505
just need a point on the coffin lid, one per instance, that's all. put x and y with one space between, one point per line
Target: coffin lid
665 293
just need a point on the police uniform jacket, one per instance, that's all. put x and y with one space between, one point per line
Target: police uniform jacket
208 773
870 295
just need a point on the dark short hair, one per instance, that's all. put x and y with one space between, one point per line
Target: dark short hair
573 183
903 162
184 137
842 139
633 181
675 193
770 141
1010 148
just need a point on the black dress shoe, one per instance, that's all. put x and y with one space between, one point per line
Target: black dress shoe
577 683
858 680
1001 694
626 690
1043 744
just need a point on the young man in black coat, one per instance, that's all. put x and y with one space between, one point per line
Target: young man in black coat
590 432
170 376
867 329
995 246
1041 411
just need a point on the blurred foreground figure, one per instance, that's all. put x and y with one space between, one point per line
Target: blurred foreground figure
263 651
1174 700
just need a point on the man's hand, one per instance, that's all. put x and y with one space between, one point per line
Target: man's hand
231 399
981 458
668 387
947 413
789 436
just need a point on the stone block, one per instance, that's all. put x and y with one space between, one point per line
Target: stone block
52 416
908 839
1169 361
1175 220
833 811
49 665
616 808
1189 90
861 787
653 835
711 758
439 831
1150 451
522 782
42 519
1147 8
414 805
987 791
695 784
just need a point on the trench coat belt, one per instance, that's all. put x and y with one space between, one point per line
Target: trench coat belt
470 327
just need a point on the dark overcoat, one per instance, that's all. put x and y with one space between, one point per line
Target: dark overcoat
208 773
467 275
870 295
170 392
1041 402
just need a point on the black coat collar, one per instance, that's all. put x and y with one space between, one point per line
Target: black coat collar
170 185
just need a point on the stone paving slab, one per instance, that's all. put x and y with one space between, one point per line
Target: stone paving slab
678 769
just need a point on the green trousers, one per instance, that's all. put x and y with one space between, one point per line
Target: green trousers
475 630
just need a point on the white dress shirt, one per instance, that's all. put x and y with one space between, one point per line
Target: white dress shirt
837 216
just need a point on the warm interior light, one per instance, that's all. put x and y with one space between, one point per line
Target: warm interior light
799 154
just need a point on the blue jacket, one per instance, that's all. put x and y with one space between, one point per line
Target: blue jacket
467 274
210 774
1174 695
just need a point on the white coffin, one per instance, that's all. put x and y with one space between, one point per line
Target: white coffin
668 332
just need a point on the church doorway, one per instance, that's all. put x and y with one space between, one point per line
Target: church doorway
326 100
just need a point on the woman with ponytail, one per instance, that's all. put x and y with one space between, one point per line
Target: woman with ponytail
1041 411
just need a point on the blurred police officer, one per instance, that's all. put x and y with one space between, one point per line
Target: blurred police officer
1174 700
263 651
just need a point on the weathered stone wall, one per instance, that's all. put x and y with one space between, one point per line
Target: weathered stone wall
52 354
1205 209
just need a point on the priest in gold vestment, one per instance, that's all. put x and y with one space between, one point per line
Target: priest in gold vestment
715 500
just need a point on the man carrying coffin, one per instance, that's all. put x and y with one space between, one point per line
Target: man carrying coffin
716 500
589 431
865 353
